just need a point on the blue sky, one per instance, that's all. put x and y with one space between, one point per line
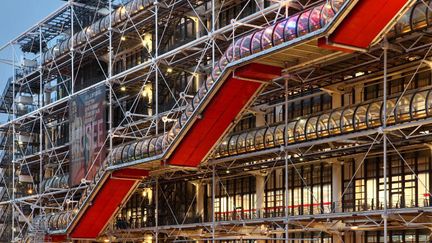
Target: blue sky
16 16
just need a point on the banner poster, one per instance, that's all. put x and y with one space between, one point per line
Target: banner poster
87 134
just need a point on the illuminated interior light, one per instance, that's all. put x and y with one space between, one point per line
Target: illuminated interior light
123 88
30 191
354 227
227 171
169 70
123 38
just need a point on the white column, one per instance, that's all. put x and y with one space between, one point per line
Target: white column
259 187
358 91
199 194
336 100
337 185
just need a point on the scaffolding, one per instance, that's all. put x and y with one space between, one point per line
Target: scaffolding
145 71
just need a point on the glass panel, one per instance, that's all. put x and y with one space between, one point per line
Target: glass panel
311 127
118 154
374 114
229 53
300 130
233 145
290 28
303 23
334 122
237 46
256 42
223 147
322 125
269 137
152 147
418 18
403 109
279 135
259 139
327 14
418 105
315 18
337 4
360 117
250 141
241 143
278 33
266 38
246 46
347 120
290 131
403 25
390 111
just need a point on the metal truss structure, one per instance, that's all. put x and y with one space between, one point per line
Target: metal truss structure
159 64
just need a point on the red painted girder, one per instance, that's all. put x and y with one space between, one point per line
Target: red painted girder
231 98
112 193
363 24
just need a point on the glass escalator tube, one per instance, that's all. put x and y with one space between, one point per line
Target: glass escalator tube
256 42
347 120
284 30
278 32
303 23
267 37
311 128
269 137
373 114
232 145
299 130
245 46
279 137
250 140
419 104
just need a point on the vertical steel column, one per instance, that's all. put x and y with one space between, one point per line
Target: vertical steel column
13 143
213 203
41 103
286 164
110 107
385 213
72 54
157 211
213 28
156 3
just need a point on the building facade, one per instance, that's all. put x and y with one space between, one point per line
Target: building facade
219 121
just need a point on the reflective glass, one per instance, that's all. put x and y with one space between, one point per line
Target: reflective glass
418 104
311 128
278 33
360 117
418 18
315 18
256 42
246 46
322 125
300 130
374 114
347 120
266 37
327 14
334 122
303 23
279 135
291 28
233 145
403 109
269 137
259 139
